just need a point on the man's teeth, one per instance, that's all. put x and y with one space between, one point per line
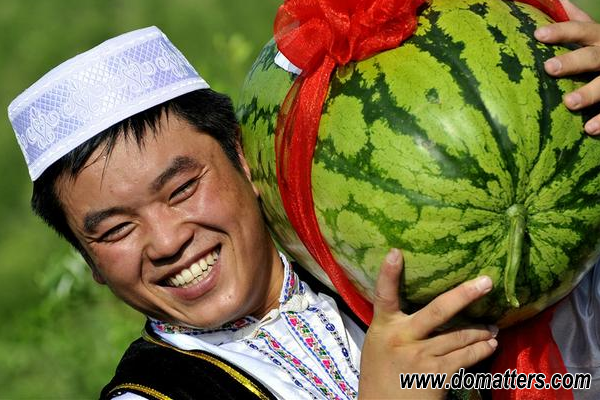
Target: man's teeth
194 274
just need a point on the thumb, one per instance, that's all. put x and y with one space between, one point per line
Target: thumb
387 288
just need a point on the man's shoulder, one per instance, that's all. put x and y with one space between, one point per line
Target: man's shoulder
155 369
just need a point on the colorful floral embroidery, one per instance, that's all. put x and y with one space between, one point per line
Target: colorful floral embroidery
305 333
279 364
297 364
231 327
336 336
289 285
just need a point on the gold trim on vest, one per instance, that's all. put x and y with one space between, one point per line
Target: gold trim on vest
141 388
248 384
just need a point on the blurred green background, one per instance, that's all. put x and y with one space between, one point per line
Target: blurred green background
62 334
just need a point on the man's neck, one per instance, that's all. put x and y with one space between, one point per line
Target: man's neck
273 291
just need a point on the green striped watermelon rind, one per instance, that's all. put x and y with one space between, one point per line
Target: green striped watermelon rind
373 188
269 83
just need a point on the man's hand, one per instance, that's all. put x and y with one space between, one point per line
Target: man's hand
398 343
581 30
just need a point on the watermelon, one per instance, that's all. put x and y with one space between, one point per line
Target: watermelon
454 147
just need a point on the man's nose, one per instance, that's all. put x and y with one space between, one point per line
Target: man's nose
168 236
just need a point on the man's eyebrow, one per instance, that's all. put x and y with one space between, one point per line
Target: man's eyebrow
93 219
178 165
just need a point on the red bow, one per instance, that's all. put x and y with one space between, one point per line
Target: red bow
309 31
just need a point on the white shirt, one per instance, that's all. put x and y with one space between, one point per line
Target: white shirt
305 349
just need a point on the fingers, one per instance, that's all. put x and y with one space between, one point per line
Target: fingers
582 33
584 96
445 306
450 341
470 355
584 59
592 127
387 288
575 13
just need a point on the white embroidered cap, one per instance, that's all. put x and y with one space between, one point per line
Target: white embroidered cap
95 90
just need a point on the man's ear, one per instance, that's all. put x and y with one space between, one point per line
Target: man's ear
244 162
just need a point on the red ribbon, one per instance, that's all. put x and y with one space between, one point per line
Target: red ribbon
529 347
317 36
551 7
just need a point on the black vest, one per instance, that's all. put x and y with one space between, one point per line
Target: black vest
157 370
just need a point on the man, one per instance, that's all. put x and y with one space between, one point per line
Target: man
137 163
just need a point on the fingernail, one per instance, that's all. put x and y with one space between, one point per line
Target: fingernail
592 127
393 256
542 33
493 343
483 284
573 100
553 66
493 330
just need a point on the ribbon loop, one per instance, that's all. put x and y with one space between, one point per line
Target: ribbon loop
307 31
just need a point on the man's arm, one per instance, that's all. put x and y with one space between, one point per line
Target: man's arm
399 343
584 31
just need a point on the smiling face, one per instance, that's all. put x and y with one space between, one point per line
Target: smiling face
174 229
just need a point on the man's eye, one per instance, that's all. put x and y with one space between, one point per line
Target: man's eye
116 233
184 191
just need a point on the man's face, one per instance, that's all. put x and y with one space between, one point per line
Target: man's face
174 229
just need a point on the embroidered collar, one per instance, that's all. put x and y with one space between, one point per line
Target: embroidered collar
291 286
